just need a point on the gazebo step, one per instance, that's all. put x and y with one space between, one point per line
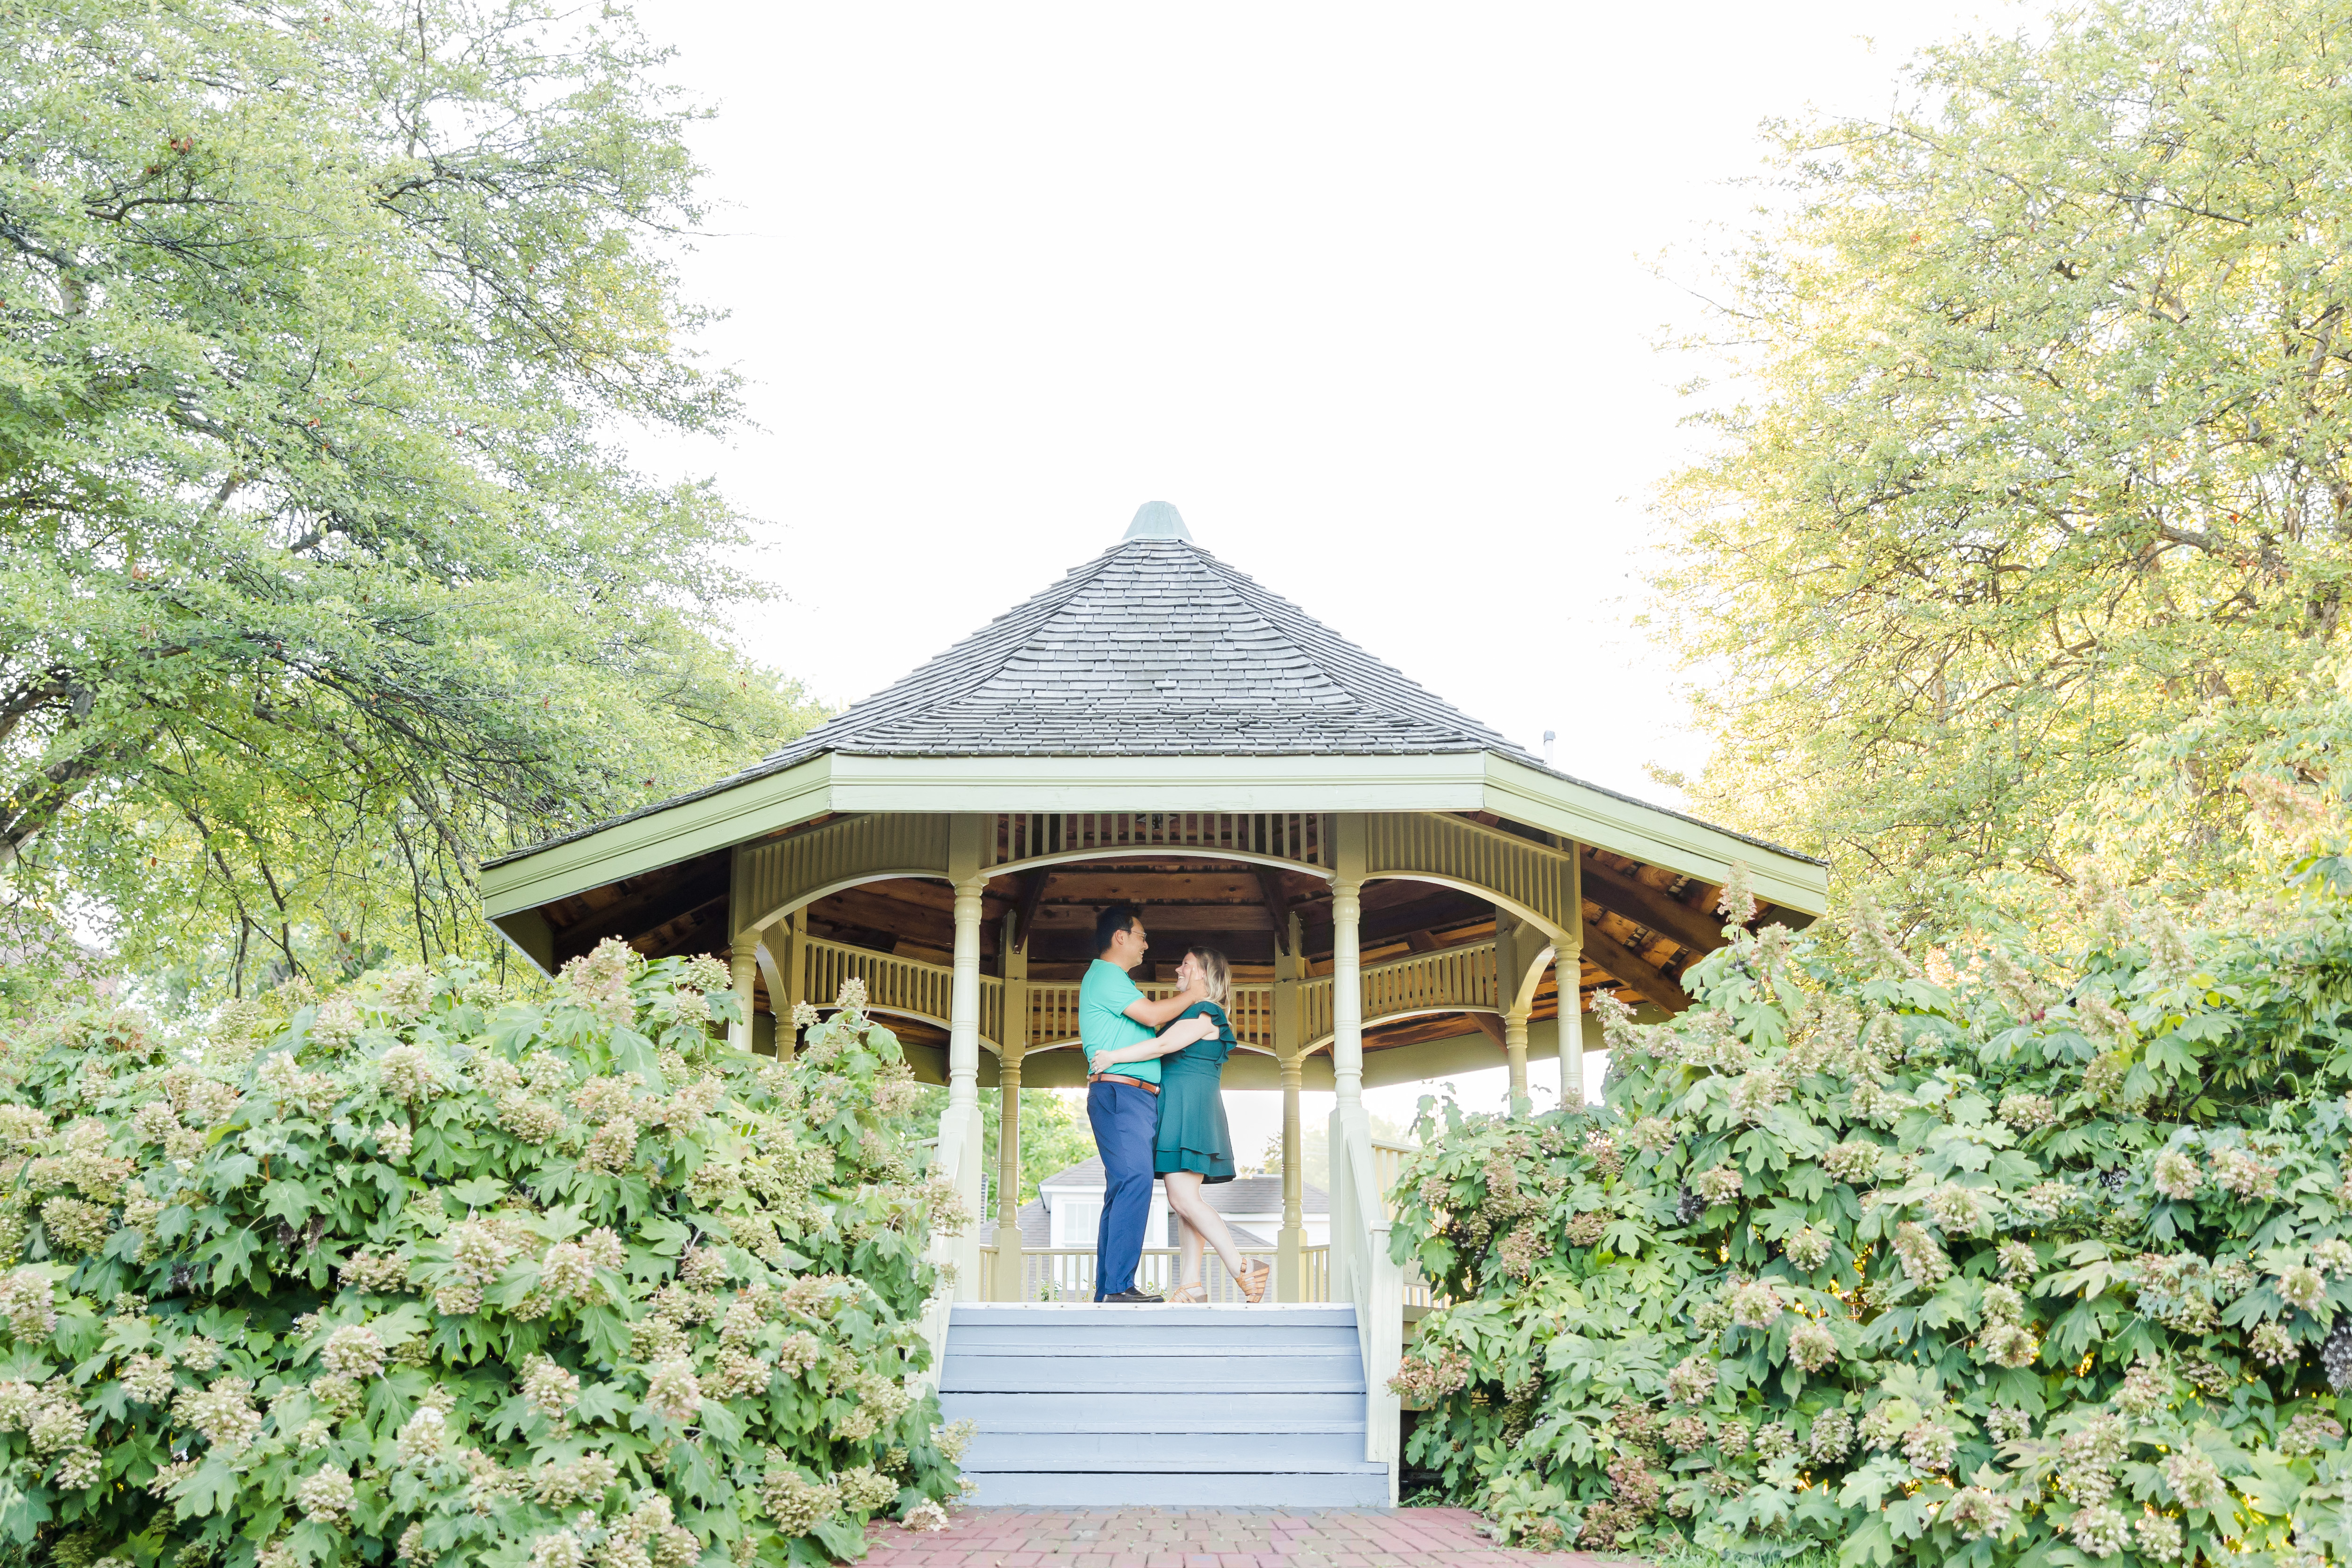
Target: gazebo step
1367 1486
1070 1317
1173 1452
1091 1412
1173 1376
1179 1339
1097 1406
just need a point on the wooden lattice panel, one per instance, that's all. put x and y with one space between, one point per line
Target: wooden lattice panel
1448 980
780 875
1019 838
1534 880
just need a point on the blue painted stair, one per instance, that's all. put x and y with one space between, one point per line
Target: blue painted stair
1098 1406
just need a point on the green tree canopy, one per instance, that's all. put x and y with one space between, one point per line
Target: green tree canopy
322 572
2027 532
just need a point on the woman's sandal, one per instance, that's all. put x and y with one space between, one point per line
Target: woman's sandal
1189 1296
1254 1280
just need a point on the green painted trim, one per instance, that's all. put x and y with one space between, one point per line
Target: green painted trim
532 936
640 844
1650 835
1465 781
1447 782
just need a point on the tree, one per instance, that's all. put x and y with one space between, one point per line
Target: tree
324 574
2027 533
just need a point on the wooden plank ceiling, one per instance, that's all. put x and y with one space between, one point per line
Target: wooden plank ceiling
1643 926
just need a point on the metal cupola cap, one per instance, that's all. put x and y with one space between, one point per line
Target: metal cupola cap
1158 520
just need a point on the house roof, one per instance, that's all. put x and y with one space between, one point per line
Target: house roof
1243 1195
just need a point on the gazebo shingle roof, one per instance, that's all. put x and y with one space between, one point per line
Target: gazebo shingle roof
1153 648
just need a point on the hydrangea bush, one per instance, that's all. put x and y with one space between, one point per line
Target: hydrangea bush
411 1275
1978 1261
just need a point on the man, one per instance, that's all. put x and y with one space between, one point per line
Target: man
1122 1103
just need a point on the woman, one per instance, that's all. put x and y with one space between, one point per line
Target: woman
1196 1147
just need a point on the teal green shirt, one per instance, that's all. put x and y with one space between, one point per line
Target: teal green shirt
1104 997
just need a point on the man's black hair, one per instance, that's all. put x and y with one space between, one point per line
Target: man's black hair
1111 922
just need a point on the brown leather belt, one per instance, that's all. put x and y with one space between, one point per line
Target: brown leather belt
1122 1078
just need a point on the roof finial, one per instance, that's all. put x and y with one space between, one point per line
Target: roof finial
1158 520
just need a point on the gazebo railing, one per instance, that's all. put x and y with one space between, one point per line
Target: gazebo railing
1067 1273
895 985
1450 977
1054 1011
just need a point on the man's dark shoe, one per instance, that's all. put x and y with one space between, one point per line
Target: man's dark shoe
1131 1298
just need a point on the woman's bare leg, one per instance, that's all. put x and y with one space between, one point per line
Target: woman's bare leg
1202 1221
1188 1253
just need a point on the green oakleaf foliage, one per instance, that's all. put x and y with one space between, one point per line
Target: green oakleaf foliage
411 1274
2027 529
1993 1261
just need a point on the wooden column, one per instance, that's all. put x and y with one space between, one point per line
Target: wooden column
1568 966
1515 1051
1289 1275
961 1157
1353 1209
1568 975
743 971
1011 1048
964 1000
794 964
1347 985
1510 969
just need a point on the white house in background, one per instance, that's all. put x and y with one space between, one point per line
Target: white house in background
1068 1210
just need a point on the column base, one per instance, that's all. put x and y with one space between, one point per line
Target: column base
1289 1276
1007 1285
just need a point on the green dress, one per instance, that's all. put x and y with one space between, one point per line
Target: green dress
1192 1132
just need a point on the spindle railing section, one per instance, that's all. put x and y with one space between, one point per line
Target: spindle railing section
1451 979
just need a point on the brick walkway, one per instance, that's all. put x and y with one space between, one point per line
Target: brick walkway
1210 1538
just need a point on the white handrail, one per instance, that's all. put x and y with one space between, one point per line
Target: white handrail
1363 1272
958 1158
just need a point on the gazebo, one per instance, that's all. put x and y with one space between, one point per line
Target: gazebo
1403 892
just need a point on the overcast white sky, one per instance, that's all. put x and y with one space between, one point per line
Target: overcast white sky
1361 290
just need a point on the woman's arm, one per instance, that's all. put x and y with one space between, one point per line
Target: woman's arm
1156 1015
1179 1036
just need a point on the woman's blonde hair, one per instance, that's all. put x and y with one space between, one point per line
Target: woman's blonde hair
1214 969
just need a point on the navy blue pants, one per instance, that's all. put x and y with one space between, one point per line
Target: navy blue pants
1127 1125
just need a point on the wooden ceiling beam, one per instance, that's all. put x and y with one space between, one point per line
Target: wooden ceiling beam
1024 909
643 912
1645 978
1277 906
702 930
1652 907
